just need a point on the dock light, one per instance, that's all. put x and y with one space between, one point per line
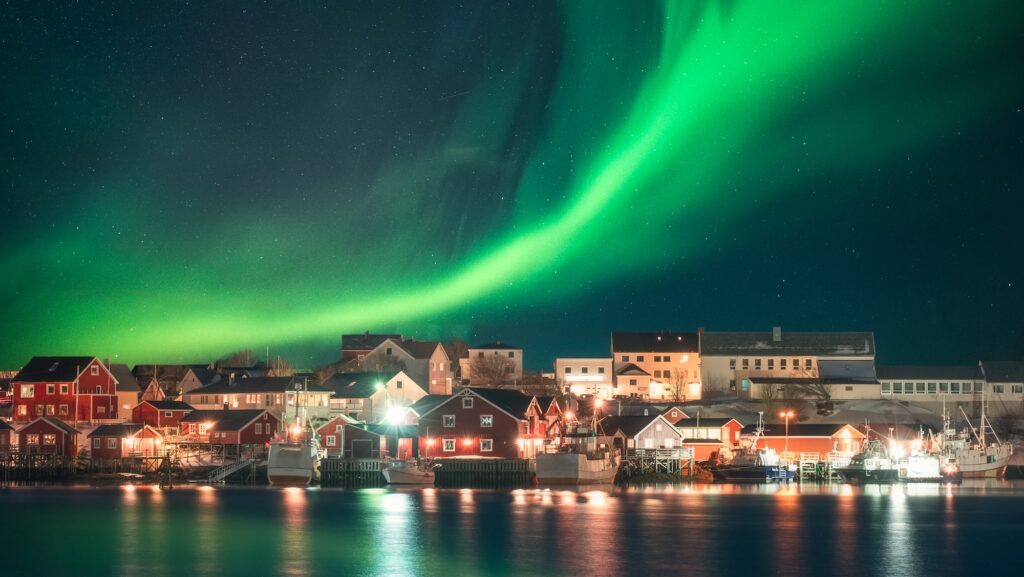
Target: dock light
379 386
598 403
295 430
569 415
431 442
467 442
896 451
787 414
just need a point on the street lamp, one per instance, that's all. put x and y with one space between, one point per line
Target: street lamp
787 414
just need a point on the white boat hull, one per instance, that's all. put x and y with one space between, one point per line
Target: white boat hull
408 476
290 465
990 464
574 469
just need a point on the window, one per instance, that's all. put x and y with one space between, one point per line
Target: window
969 388
28 391
259 428
639 358
807 364
111 443
448 421
486 445
268 400
339 428
998 389
94 370
796 364
632 382
448 445
757 364
63 410
32 439
943 388
511 355
954 388
96 443
782 364
568 370
332 441
932 388
657 427
99 390
897 388
39 410
746 364
22 410
848 388
387 351
486 421
64 389
657 358
584 370
202 428
191 428
625 358
600 370
480 355
886 388
771 364
101 410
467 402
1017 389
398 384
51 389
732 364
683 359
920 388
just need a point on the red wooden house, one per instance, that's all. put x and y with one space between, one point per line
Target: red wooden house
809 438
480 422
69 388
161 414
240 427
331 434
674 414
117 441
708 436
50 436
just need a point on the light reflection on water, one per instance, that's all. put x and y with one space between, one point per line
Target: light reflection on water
711 530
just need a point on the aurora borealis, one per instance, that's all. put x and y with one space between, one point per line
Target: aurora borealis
183 181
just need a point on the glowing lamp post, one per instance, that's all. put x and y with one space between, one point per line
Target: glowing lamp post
787 414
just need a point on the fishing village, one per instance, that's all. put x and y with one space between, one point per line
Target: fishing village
662 407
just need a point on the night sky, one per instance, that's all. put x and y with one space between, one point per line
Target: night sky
181 181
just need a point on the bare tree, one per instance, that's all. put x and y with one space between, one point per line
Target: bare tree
714 388
456 349
817 390
385 364
491 370
281 368
771 393
237 359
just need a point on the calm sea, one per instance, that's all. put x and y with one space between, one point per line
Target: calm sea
907 531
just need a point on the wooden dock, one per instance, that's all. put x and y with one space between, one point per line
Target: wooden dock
20 467
338 472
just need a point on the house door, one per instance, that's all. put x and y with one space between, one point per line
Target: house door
362 448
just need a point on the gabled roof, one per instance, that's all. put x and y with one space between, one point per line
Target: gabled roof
631 426
799 429
55 423
512 402
365 341
657 342
52 369
205 375
632 369
258 385
707 423
230 420
356 385
499 346
790 344
545 403
170 405
125 379
118 430
420 349
424 404
342 417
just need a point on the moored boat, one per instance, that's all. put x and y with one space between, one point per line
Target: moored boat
290 464
409 473
579 459
753 464
977 452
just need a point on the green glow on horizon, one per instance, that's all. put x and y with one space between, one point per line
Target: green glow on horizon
687 143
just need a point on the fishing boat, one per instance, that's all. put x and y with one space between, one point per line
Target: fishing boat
753 464
410 472
293 458
977 452
872 465
579 459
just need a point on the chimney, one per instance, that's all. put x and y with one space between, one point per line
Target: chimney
106 362
776 334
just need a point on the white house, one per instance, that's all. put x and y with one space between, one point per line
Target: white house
586 376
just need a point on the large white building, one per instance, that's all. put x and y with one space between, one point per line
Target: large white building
999 383
586 376
511 357
657 365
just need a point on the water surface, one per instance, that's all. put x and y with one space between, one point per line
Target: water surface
700 530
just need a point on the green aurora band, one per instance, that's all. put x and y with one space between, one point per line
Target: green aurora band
677 126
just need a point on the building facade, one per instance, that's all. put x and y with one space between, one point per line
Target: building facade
586 376
72 389
670 360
